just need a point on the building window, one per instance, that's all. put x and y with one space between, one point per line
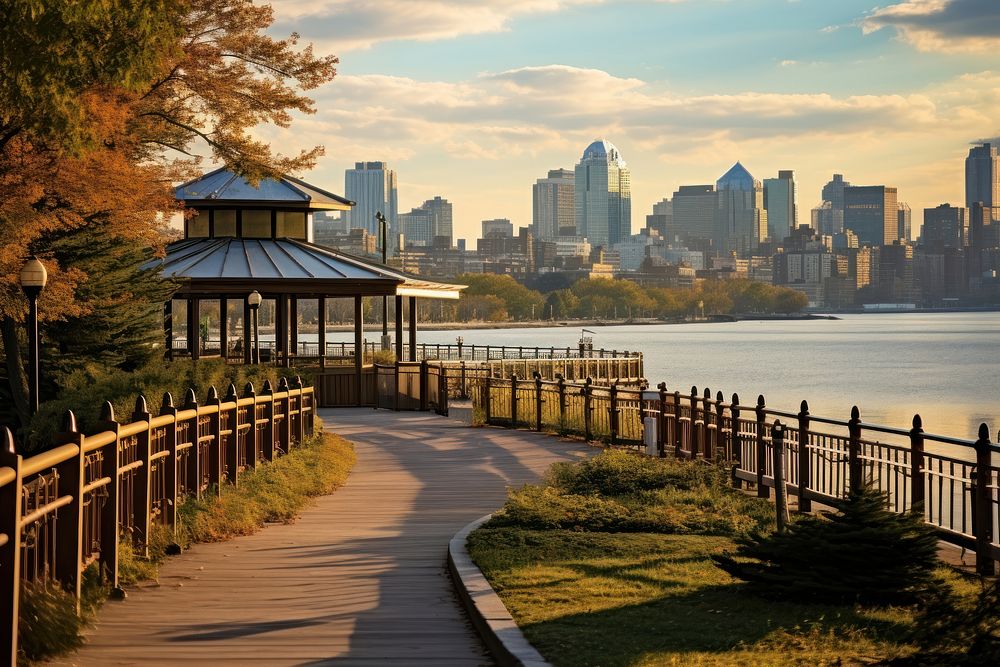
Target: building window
291 224
256 224
224 223
197 225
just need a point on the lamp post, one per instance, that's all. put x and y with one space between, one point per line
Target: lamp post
254 301
382 229
33 278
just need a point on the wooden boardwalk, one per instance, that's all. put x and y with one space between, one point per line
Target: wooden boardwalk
359 578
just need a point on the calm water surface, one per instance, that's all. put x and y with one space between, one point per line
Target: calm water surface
944 366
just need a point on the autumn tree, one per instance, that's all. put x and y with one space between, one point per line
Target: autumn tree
103 104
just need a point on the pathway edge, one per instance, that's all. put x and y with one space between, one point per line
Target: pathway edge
490 618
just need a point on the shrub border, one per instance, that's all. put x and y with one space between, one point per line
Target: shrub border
493 623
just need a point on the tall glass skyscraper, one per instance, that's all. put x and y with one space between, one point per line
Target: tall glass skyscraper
740 219
553 207
373 186
779 202
603 195
982 178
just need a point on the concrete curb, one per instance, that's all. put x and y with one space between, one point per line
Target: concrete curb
490 617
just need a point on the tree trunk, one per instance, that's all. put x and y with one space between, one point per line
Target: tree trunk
18 379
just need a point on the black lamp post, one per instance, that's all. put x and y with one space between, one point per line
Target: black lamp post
254 301
382 228
33 278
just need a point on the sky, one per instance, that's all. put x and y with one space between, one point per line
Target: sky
474 100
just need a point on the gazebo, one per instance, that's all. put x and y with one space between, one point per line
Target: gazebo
244 238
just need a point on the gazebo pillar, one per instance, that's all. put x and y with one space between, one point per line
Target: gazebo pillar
280 333
399 328
359 349
193 329
321 318
413 328
247 332
168 328
293 325
223 327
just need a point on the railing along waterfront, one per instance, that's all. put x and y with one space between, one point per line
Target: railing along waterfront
955 481
68 507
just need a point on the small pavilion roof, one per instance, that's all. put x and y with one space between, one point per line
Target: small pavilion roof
220 265
222 187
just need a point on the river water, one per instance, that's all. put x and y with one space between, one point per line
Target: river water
944 366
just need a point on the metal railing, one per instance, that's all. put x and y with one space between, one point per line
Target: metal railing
955 481
68 507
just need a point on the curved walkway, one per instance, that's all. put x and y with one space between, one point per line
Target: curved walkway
359 578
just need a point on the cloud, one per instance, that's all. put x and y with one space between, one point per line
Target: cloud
947 26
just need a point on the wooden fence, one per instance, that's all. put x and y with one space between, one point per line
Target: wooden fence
68 507
955 481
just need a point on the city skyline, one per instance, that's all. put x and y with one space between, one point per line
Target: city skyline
448 94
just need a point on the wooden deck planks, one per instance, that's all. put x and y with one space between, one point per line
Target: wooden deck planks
359 578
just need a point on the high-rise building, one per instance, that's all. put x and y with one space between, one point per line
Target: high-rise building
662 219
740 218
499 227
694 213
833 191
871 212
982 178
372 185
904 222
441 212
828 217
602 195
553 207
417 227
779 202
945 226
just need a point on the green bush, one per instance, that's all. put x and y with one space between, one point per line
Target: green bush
616 472
48 624
862 553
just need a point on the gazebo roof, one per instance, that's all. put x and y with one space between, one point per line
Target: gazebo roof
223 187
289 266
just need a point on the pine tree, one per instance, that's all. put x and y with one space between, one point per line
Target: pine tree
862 553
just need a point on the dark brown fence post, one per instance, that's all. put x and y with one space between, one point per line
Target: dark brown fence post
285 431
723 442
736 452
613 413
708 435
695 444
267 445
562 402
170 464
983 517
538 401
231 448
762 490
424 373
587 400
804 461
487 397
69 523
215 460
777 463
661 434
297 430
678 428
917 465
253 439
141 477
195 464
513 400
10 551
855 481
110 463
465 387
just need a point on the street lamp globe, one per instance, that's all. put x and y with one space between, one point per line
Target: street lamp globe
255 299
33 276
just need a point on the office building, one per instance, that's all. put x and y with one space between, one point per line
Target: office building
417 228
499 227
441 213
694 213
945 226
372 185
662 219
779 202
871 212
602 195
982 179
553 206
904 222
740 218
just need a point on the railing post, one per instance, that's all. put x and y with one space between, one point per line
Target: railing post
267 446
722 442
231 448
424 384
513 400
487 397
252 442
586 391
285 430
804 461
854 473
193 478
465 386
110 463
678 429
762 490
777 463
10 551
983 516
661 434
695 436
736 451
142 476
562 401
215 460
917 465
613 413
170 463
69 522
709 436
538 401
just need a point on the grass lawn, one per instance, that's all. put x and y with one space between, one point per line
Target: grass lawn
593 598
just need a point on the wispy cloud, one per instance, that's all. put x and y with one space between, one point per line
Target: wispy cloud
947 26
